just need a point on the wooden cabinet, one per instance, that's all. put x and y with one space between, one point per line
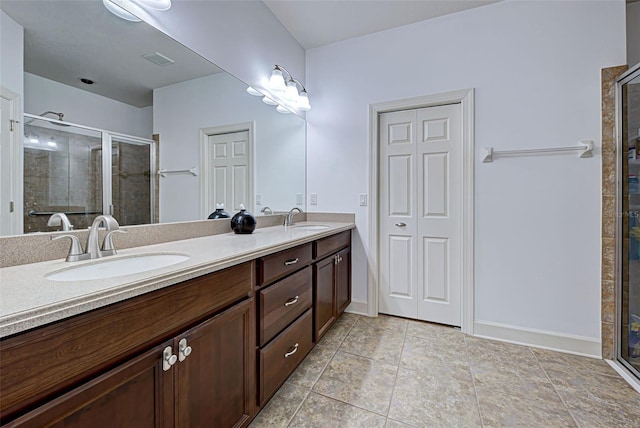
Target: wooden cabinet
81 368
332 281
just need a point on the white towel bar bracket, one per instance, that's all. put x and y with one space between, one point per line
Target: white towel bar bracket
585 148
193 171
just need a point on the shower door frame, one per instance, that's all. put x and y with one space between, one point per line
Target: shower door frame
106 138
621 157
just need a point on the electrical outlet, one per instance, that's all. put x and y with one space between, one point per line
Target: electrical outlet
363 199
313 199
258 199
299 199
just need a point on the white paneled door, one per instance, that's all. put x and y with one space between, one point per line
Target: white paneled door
229 175
420 214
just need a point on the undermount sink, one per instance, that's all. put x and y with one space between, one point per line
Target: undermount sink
110 268
312 226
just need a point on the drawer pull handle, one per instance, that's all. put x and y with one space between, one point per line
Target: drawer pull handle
290 353
401 224
168 358
291 301
291 262
185 350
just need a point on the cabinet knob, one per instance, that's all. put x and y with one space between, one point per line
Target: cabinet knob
291 262
291 301
168 358
184 350
293 351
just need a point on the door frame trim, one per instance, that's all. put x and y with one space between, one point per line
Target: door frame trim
466 99
16 158
204 161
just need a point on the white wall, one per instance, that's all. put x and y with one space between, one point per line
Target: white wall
85 108
536 70
633 33
12 50
242 37
181 110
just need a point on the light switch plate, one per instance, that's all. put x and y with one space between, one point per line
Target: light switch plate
313 199
299 199
363 199
258 199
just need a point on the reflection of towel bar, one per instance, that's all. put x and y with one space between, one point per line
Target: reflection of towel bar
33 213
164 172
586 147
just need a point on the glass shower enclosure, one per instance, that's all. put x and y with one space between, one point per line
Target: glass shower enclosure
628 230
83 172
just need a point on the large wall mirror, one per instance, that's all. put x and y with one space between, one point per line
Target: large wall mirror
88 75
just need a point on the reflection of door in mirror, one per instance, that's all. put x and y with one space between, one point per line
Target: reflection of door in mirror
229 164
10 221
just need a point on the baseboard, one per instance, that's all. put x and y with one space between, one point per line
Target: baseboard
360 307
570 344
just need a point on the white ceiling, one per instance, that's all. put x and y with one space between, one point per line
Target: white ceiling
69 40
319 22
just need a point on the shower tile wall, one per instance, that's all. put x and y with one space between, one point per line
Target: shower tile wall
131 186
59 178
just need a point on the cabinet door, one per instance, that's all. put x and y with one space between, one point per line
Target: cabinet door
138 393
215 382
343 280
323 296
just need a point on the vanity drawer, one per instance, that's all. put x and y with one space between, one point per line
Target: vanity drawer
279 358
277 265
331 244
283 302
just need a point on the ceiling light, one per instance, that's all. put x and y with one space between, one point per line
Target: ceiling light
282 109
269 101
120 11
276 83
156 4
52 143
34 138
254 92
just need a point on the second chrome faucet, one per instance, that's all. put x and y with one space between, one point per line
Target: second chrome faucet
93 249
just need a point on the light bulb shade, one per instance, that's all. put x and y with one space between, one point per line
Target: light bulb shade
282 109
120 11
276 83
156 4
303 101
253 92
269 101
34 139
291 93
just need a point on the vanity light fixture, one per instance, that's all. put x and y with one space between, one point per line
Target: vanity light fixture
33 138
285 91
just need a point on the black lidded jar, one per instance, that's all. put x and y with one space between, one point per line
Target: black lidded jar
219 213
243 221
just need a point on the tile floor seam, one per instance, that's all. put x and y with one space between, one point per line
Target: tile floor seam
298 408
473 381
395 380
555 389
348 404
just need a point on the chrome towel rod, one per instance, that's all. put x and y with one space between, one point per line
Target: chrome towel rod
585 148
193 171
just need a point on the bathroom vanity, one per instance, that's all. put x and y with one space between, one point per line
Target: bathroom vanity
203 343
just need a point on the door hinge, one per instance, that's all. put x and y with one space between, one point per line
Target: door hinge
11 207
11 123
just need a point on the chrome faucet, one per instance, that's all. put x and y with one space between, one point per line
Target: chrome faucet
60 218
266 211
288 220
93 250
93 246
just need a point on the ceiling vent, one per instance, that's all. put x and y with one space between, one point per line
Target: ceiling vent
158 59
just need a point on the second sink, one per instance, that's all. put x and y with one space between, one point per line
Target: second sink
110 268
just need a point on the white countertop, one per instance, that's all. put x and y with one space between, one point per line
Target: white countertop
28 299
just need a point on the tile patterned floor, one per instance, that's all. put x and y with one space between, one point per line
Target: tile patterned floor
393 372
